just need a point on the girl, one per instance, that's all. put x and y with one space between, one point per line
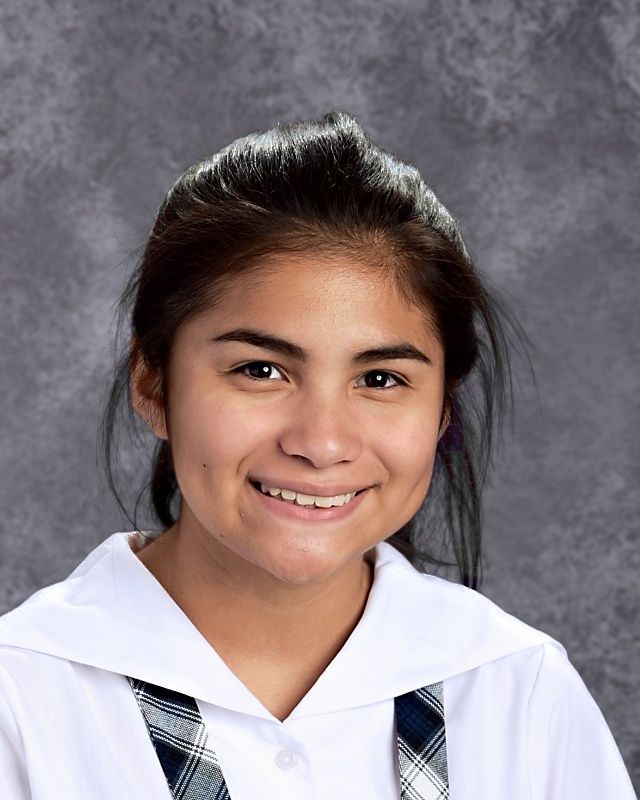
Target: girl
321 366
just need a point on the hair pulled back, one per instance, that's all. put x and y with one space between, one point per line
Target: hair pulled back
325 186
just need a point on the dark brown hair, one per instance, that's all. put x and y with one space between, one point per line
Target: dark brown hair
325 186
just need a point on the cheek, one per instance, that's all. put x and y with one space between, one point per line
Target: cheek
409 451
409 458
204 429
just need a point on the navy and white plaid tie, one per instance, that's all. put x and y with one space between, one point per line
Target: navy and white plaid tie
193 772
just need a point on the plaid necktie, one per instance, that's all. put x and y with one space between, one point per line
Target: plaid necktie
193 772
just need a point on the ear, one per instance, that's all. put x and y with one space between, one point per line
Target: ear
446 414
446 418
146 396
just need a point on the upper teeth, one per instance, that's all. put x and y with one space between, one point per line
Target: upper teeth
308 499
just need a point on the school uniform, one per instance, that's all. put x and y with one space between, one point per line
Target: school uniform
107 690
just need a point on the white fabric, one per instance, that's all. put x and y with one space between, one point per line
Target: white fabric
520 723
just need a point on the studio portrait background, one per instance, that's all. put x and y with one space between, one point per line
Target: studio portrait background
524 118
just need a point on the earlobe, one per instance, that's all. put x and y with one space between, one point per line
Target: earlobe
446 413
146 397
446 418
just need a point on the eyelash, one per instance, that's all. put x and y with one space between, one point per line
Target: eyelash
240 370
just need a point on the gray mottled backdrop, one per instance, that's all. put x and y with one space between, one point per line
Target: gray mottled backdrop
524 117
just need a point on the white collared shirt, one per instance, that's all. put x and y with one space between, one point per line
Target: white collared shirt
520 723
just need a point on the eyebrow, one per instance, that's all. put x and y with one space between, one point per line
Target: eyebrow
275 343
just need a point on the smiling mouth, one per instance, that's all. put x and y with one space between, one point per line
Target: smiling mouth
256 486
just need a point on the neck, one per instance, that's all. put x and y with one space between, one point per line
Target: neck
249 615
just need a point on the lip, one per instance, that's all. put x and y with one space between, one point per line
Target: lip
331 490
290 510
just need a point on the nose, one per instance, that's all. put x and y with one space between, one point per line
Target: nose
323 430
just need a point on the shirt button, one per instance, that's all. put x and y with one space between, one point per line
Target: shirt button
286 759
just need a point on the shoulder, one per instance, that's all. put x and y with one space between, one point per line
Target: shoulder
27 676
30 687
571 749
448 628
455 612
475 624
559 688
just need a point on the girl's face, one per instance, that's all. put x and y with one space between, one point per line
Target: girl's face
319 378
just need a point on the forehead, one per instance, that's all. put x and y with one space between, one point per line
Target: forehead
306 278
311 298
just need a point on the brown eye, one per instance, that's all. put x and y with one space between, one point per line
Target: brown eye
261 370
379 378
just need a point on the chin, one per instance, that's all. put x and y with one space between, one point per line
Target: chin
302 568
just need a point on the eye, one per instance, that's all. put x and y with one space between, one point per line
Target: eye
261 368
381 376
